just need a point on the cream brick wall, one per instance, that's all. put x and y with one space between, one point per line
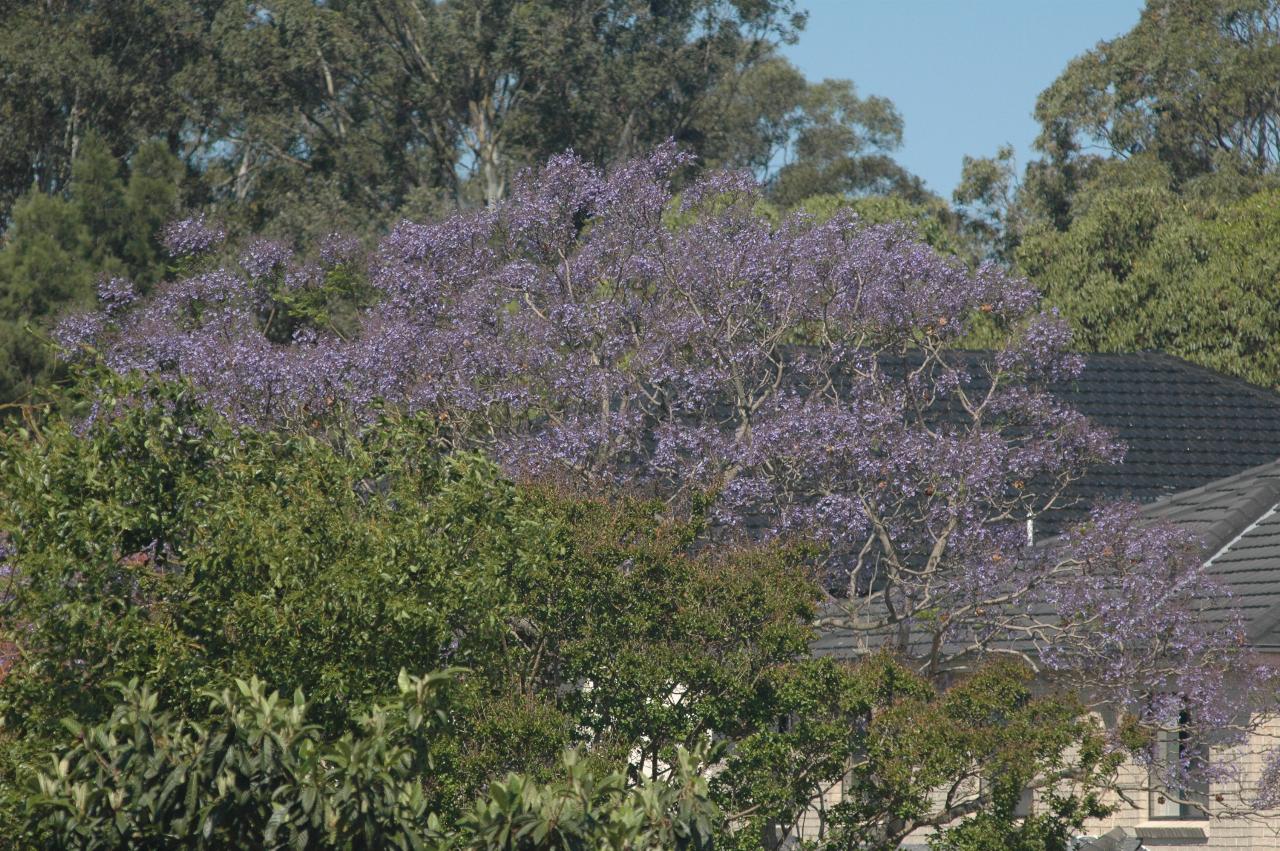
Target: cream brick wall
812 823
1225 829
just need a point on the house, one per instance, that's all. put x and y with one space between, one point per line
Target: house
1237 519
1204 452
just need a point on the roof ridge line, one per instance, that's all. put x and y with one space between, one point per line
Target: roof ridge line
1246 530
1213 485
1222 377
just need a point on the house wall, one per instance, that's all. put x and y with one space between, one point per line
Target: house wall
1223 830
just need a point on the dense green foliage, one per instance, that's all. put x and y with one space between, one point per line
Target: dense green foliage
58 245
1149 219
157 544
1185 99
1192 84
929 218
372 107
1143 269
258 773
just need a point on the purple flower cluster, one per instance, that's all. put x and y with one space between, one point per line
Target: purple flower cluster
804 377
338 248
596 327
6 568
77 330
1043 348
1129 603
261 257
116 294
189 237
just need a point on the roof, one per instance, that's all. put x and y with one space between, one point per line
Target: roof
1237 519
1185 426
1203 452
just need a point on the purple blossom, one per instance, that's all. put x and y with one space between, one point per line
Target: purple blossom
338 248
77 330
188 237
263 256
7 578
305 276
1043 349
115 294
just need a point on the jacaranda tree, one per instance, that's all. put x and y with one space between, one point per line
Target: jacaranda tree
789 378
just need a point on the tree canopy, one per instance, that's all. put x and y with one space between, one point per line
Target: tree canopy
531 474
1158 160
296 118
786 379
1191 84
221 564
364 108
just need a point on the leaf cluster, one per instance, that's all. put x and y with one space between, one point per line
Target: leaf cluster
57 246
1141 268
257 772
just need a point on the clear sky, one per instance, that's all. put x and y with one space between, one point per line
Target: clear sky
964 74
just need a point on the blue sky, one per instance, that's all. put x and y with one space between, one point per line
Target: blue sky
964 74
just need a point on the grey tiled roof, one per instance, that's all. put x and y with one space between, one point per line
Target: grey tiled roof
1204 452
1237 520
1185 426
1219 511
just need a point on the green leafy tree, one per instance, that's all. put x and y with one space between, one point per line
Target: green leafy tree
931 219
257 772
1221 311
809 140
288 113
583 811
842 144
194 553
43 269
758 114
1192 83
57 246
1160 153
1185 100
129 72
986 200
157 542
1142 269
1087 271
902 755
369 107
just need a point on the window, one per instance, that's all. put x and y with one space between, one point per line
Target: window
1026 803
1186 802
1026 798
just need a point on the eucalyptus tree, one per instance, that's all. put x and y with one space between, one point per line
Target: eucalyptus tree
1192 83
